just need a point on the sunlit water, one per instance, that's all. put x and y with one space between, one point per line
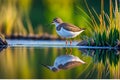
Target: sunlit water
23 59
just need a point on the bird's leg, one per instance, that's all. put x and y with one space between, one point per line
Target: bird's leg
70 42
66 42
66 46
71 47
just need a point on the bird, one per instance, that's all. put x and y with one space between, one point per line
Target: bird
66 30
64 62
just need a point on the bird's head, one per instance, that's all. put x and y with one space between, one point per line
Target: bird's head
57 21
52 68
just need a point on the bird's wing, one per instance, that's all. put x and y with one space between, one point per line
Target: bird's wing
71 27
71 64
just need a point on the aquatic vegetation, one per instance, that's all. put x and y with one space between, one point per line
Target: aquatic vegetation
102 55
106 32
106 63
106 27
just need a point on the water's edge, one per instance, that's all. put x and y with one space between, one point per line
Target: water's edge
50 44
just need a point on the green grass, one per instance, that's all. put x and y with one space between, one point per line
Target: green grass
106 38
106 26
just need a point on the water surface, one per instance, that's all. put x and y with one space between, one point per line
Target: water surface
23 59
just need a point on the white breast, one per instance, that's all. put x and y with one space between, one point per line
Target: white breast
68 34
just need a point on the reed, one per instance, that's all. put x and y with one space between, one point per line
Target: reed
12 13
107 29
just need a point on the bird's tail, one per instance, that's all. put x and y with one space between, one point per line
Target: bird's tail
83 28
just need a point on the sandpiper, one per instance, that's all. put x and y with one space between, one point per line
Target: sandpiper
66 30
65 62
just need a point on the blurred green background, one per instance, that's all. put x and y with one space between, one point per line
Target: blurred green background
24 17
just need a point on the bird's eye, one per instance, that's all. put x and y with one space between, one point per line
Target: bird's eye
56 20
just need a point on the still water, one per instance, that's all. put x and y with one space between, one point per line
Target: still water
23 59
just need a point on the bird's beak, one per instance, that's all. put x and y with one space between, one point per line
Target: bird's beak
52 22
45 66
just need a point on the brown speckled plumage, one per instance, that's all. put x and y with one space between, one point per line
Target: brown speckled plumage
68 27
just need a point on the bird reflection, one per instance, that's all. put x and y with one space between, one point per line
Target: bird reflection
65 62
3 43
2 47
